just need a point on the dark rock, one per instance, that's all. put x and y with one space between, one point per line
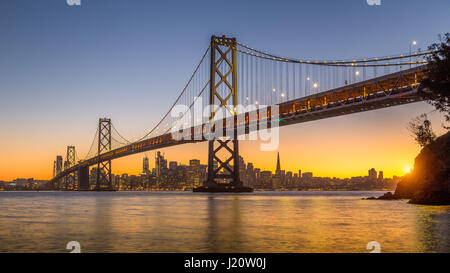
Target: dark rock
388 196
429 182
431 198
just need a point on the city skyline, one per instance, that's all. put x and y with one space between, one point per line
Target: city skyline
78 61
169 174
147 167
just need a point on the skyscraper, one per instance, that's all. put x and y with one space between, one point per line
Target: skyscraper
372 174
380 176
277 180
145 165
278 164
193 173
160 163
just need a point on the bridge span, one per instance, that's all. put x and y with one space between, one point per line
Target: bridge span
377 92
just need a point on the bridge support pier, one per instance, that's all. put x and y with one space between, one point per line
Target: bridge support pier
224 177
83 178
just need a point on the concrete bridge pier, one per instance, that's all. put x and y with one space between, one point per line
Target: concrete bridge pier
83 178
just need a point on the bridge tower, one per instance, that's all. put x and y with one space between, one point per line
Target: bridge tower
223 93
58 167
70 179
104 178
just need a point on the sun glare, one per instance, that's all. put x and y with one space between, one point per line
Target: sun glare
407 169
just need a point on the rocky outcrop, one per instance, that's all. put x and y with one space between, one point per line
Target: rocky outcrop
386 196
429 182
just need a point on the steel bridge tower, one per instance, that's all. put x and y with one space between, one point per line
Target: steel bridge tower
58 167
104 178
70 180
223 93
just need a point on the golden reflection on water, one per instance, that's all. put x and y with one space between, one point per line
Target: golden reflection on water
188 222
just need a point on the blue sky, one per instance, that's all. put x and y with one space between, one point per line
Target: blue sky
62 67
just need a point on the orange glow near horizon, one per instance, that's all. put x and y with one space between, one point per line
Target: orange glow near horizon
408 169
340 147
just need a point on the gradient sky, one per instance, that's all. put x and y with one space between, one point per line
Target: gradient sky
62 67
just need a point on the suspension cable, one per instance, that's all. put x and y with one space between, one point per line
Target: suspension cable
179 96
92 145
114 128
338 63
285 59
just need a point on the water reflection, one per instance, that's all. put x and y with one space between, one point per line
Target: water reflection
187 222
433 225
212 237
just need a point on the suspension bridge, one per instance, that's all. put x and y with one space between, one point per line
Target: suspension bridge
256 90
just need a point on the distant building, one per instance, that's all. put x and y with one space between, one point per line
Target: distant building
380 175
193 176
160 164
266 179
257 173
372 174
278 164
194 162
173 165
289 180
145 165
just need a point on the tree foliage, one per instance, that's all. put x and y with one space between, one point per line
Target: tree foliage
435 88
420 127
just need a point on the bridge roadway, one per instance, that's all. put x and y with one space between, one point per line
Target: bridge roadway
385 91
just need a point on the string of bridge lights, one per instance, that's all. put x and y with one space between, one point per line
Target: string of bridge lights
342 63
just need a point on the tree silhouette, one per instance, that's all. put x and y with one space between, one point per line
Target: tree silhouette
435 88
420 127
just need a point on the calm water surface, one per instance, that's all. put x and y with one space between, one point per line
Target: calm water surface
197 222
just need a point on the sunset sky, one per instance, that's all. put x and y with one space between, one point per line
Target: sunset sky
62 67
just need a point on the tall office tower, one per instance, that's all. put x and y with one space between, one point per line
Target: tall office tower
160 163
278 164
372 174
380 176
145 165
